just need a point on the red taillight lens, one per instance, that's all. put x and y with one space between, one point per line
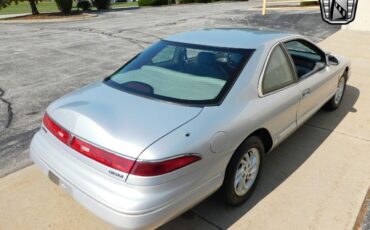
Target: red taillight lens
55 129
143 168
102 156
139 168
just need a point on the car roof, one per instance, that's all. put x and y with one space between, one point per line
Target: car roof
230 37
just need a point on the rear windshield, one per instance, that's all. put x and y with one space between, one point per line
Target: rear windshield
183 73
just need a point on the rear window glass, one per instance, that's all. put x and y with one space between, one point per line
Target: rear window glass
181 72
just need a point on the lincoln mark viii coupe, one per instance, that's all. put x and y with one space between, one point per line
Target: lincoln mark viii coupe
192 114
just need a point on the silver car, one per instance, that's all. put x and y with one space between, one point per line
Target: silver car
194 113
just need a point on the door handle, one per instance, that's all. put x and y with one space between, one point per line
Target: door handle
306 92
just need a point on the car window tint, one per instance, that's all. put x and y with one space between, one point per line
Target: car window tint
192 53
278 72
301 48
305 57
298 46
179 72
166 54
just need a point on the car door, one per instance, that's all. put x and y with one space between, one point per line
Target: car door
279 94
312 72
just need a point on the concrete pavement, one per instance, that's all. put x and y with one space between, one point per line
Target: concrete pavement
11 15
317 179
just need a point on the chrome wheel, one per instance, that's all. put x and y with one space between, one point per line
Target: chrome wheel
247 171
340 90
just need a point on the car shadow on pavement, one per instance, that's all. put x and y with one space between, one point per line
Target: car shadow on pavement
212 213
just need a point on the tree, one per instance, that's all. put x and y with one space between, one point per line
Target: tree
34 9
5 3
65 6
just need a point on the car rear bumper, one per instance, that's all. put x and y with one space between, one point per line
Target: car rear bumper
75 178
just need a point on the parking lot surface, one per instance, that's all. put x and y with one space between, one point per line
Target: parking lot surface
317 179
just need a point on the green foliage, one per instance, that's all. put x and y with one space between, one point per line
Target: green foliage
84 4
155 2
102 4
196 1
4 3
186 1
65 6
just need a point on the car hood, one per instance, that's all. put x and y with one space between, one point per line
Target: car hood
116 120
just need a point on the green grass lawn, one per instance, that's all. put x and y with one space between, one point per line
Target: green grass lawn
46 7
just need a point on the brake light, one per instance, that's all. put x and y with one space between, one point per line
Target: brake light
55 129
144 168
139 168
102 156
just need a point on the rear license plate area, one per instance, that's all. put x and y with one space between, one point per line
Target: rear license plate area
55 179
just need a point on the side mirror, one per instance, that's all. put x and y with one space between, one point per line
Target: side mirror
331 60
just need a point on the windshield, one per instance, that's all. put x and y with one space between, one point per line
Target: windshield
183 73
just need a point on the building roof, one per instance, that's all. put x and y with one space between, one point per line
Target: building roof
231 38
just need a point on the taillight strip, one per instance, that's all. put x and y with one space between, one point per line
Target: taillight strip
102 156
112 160
56 130
156 168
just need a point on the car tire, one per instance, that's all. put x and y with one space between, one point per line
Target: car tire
235 193
335 101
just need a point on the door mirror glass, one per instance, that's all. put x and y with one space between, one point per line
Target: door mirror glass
332 60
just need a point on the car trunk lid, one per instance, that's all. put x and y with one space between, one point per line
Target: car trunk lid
117 121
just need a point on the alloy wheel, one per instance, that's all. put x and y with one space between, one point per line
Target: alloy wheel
247 171
340 90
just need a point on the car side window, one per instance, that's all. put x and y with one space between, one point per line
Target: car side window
278 72
306 57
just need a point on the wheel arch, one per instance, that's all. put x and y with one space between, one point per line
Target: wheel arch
346 72
267 141
265 137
